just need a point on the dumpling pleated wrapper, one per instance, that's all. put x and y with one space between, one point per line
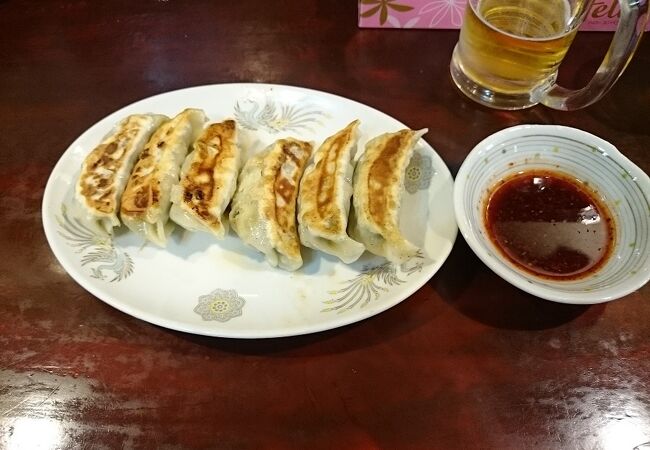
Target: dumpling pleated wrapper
208 181
106 170
378 185
324 197
146 199
263 210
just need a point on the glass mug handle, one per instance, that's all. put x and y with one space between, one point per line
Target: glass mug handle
634 16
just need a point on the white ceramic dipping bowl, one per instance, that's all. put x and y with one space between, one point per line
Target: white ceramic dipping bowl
622 186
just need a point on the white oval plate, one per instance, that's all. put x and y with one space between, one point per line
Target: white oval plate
223 288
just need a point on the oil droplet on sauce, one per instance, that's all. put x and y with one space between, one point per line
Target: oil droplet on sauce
549 224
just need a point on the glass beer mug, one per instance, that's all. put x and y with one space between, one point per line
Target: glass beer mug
509 51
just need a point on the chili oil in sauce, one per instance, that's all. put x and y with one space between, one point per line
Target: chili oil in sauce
549 224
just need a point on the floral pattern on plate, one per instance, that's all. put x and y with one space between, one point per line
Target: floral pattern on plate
220 305
274 117
97 249
371 282
418 173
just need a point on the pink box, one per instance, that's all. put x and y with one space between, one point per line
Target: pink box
448 14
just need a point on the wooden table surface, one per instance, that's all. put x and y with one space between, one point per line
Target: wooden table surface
466 362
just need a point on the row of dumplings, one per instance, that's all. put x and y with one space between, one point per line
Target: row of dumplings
283 196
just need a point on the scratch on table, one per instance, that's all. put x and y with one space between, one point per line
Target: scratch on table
349 415
6 413
312 397
54 389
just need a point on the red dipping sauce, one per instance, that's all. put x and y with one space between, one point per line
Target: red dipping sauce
549 224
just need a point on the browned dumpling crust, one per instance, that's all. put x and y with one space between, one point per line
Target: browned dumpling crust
378 184
263 210
106 169
324 198
147 197
208 180
283 171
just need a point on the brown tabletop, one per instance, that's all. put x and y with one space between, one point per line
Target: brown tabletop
467 362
